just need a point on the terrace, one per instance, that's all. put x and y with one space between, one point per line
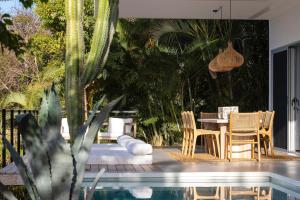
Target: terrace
169 168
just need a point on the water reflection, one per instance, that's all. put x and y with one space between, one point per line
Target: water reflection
192 193
230 193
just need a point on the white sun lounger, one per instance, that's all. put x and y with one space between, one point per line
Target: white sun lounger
133 152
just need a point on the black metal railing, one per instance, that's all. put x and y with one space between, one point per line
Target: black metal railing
10 131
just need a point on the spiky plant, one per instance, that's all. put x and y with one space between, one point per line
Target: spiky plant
80 72
52 168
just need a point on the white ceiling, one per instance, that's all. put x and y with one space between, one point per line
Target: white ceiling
203 9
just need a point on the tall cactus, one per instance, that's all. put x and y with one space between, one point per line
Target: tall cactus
80 73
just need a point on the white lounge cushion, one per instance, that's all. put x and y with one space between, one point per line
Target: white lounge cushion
141 192
139 147
114 154
124 139
107 147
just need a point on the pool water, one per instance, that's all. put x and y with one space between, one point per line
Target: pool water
265 192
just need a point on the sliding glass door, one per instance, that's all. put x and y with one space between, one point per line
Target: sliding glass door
286 98
280 92
295 99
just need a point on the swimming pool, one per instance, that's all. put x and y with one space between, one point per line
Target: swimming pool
194 191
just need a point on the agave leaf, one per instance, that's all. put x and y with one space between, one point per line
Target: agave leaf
94 184
23 171
79 138
36 152
58 152
88 139
62 169
96 124
43 113
6 193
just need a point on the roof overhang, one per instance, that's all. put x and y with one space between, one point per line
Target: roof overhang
203 9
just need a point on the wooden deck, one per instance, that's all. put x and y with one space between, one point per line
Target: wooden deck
124 168
166 166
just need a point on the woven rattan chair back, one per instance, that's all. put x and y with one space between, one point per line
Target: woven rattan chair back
244 123
244 129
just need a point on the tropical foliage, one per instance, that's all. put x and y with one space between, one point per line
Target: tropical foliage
162 68
160 65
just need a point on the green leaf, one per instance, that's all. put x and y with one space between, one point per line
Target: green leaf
6 193
23 171
88 140
96 124
79 138
94 184
36 152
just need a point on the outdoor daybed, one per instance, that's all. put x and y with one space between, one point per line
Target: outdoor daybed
127 151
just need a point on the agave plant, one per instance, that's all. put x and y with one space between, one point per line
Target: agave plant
51 167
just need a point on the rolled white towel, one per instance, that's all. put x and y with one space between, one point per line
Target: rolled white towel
141 192
138 147
124 139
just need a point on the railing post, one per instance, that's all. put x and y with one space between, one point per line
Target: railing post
11 130
3 137
19 137
23 147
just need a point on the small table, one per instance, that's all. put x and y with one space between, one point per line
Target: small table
222 123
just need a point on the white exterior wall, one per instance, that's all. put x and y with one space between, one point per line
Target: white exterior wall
284 31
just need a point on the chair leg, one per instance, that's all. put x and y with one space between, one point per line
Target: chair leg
226 148
218 145
265 147
208 141
213 146
190 145
187 144
258 148
194 146
183 144
230 150
271 144
252 150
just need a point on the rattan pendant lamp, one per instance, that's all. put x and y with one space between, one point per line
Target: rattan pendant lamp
228 59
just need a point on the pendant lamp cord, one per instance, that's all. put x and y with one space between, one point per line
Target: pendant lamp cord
230 21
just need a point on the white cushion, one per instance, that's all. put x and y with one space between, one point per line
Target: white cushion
139 148
105 147
64 130
124 139
116 125
114 154
141 192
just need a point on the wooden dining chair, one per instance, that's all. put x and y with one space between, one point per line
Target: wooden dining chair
210 194
209 142
243 129
244 193
266 130
191 133
186 133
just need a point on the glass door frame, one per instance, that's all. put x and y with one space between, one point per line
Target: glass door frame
291 81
